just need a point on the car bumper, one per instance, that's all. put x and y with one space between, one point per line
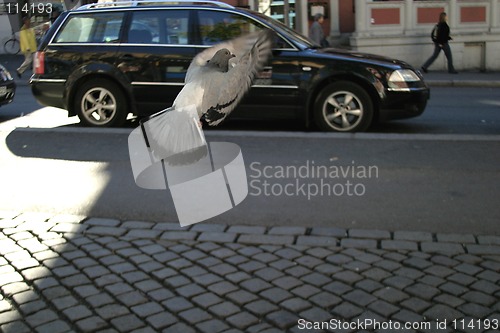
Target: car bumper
7 92
404 104
48 92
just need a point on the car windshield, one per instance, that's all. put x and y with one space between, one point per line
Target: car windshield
298 39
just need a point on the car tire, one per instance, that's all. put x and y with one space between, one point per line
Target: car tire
343 107
101 103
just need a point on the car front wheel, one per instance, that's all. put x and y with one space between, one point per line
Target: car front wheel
343 107
100 103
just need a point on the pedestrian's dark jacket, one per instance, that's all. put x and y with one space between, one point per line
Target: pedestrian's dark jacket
443 33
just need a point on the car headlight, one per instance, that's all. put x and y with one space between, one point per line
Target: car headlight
400 78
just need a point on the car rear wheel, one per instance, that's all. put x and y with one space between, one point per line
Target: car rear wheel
343 107
101 103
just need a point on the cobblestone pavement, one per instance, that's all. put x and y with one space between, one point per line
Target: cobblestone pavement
78 274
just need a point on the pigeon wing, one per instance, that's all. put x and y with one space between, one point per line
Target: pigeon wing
238 46
223 91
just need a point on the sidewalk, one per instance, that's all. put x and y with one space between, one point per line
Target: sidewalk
78 274
433 78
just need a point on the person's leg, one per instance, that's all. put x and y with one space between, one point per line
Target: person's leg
449 58
28 60
433 57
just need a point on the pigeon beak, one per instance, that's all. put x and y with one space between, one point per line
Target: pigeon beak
233 55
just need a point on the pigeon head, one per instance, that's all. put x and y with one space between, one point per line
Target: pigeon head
220 60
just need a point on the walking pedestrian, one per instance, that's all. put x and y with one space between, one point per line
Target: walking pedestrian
440 37
28 45
316 32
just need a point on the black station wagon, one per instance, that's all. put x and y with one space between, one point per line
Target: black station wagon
104 61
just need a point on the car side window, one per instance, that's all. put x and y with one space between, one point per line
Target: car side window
159 27
217 26
91 28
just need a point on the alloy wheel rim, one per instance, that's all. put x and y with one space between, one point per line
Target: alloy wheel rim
343 111
98 106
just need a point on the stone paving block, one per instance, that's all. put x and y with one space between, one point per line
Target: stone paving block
474 310
415 236
439 271
358 243
316 279
423 291
442 312
488 240
32 307
485 286
179 235
111 231
217 237
416 304
275 294
359 297
112 311
329 231
161 320
456 238
195 315
347 277
9 316
281 230
224 309
30 274
347 310
383 308
142 233
483 249
296 304
453 288
207 299
147 285
243 320
449 300
241 297
391 295
15 326
94 221
41 317
147 309
127 323
325 299
213 325
317 241
461 279
283 319
288 253
432 280
77 312
398 282
479 298
376 274
57 326
447 248
265 239
356 266
135 297
369 234
177 304
305 291
468 269
243 229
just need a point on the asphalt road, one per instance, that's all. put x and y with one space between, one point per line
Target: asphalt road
439 174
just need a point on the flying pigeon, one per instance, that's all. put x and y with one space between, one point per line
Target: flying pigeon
216 80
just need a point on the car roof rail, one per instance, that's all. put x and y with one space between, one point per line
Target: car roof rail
133 3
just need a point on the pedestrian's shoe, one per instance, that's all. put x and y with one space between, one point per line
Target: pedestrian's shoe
424 69
18 73
453 72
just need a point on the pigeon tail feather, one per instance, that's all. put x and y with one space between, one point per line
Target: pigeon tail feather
175 136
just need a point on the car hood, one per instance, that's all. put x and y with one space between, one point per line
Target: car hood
364 57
